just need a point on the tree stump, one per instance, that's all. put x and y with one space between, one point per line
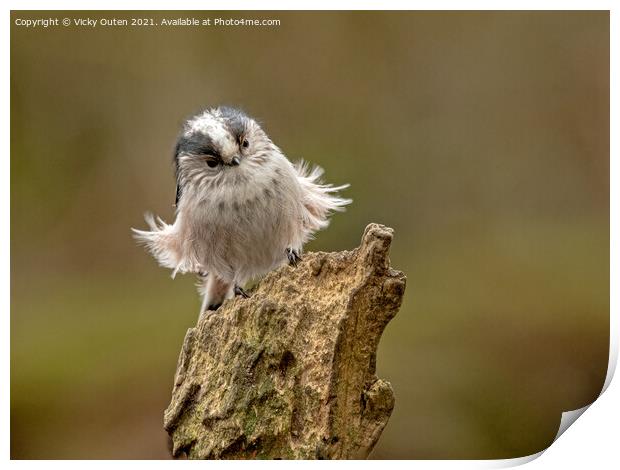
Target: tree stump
290 372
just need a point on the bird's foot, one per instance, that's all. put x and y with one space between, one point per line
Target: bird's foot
293 256
239 291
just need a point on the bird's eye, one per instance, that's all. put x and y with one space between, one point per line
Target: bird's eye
245 144
212 162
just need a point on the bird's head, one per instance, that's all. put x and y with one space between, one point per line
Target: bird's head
216 143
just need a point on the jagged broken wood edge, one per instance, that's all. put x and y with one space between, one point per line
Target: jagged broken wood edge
290 372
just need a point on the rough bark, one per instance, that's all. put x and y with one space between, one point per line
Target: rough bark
290 372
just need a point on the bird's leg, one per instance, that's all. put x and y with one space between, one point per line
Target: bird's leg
214 291
293 256
239 291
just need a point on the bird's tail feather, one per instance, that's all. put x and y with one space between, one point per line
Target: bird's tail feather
319 199
161 241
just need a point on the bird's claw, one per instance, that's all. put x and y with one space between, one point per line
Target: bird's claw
293 256
239 291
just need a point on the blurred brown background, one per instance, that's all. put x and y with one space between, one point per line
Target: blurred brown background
481 138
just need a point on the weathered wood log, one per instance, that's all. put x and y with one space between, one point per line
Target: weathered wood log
290 372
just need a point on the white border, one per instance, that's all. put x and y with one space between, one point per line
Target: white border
313 5
592 442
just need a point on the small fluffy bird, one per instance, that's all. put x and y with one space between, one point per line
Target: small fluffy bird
242 208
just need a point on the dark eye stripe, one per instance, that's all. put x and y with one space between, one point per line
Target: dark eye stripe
193 144
197 144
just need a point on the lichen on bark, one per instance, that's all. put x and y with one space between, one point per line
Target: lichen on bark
290 372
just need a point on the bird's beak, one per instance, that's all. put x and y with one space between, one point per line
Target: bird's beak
235 161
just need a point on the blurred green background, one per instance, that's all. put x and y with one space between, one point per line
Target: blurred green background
481 138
